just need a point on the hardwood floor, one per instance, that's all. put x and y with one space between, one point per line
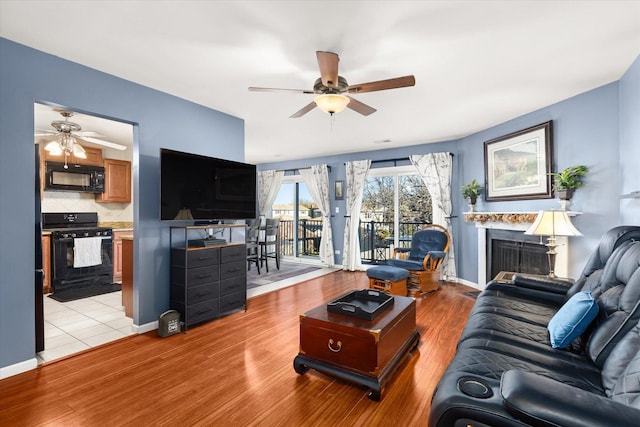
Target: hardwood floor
236 371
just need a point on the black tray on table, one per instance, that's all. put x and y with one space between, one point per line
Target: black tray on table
365 304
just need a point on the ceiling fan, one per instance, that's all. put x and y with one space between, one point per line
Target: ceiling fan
68 135
331 88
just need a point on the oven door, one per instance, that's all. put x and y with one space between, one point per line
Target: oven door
65 275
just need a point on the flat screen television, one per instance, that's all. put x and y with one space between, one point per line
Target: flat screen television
205 189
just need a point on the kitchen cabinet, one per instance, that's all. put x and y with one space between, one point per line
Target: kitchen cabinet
94 157
46 263
117 182
117 252
127 275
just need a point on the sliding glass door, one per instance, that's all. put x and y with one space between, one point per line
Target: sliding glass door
300 220
395 204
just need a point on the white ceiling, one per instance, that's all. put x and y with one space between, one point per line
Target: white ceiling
476 63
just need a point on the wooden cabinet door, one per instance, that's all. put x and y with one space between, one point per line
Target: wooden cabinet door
117 254
46 263
94 157
117 182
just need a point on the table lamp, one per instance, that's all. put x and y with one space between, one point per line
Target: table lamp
552 223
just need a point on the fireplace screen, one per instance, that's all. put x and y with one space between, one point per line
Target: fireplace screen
515 252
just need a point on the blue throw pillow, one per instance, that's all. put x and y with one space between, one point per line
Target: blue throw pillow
572 319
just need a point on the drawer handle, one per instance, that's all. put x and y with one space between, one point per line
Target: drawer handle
335 350
202 276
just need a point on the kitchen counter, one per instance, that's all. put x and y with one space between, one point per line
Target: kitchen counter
118 226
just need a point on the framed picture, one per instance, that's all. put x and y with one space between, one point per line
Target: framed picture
339 190
517 166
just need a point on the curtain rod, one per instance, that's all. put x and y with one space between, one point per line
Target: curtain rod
398 159
298 169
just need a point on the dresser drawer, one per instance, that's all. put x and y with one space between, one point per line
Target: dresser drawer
195 294
195 276
233 269
205 310
233 302
233 253
195 257
231 286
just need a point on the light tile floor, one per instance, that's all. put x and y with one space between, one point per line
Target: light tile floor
74 326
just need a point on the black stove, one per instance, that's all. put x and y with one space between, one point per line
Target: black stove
73 275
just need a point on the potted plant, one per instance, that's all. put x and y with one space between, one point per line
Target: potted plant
471 191
568 180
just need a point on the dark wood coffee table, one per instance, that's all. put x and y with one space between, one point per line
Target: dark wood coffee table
362 351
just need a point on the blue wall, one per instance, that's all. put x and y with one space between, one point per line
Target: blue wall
160 120
630 143
586 131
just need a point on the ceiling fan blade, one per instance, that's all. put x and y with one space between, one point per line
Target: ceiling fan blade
103 143
93 134
360 107
394 83
269 89
328 63
304 110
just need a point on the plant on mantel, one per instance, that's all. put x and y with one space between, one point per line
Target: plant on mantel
567 181
471 192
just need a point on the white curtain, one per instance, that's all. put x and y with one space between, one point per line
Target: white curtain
268 187
317 180
435 170
356 177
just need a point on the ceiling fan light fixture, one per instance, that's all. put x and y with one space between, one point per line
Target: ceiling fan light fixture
78 151
331 102
53 148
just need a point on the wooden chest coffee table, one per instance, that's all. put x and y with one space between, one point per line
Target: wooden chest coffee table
362 351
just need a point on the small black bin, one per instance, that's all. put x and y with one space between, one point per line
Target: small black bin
169 323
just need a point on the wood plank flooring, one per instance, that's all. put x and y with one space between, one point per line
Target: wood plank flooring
236 371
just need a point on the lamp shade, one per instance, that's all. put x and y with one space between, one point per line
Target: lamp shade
552 223
331 102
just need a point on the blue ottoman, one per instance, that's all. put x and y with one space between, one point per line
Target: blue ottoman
388 279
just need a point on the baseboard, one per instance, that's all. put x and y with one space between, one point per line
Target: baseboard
18 368
141 329
468 283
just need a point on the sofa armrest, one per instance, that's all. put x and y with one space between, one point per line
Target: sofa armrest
541 401
542 283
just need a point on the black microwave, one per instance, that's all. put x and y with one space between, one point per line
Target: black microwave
73 177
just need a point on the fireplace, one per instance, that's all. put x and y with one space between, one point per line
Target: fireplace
515 251
527 253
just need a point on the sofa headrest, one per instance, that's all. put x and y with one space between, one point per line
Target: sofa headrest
609 241
618 297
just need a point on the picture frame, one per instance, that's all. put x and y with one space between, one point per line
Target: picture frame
339 190
517 165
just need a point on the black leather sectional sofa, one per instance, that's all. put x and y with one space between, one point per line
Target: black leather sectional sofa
506 372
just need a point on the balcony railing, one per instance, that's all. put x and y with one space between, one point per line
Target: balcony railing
377 239
374 247
309 233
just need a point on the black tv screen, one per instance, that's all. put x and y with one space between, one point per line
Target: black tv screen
205 188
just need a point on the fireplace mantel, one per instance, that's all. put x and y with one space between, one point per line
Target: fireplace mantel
501 217
516 221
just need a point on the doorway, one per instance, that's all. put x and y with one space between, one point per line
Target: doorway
68 324
300 220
